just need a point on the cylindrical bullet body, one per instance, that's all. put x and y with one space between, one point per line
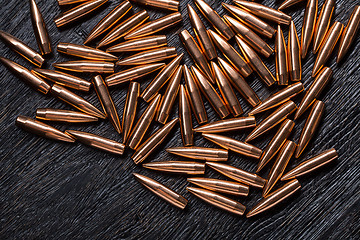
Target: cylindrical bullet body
323 23
288 3
308 27
149 56
281 58
86 66
68 2
139 44
200 153
59 115
171 5
222 186
85 52
185 118
177 167
130 109
294 65
227 125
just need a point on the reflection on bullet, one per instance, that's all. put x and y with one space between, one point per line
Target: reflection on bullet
155 26
42 129
59 115
227 125
308 27
177 167
29 78
275 197
145 149
85 52
139 44
162 191
130 109
185 118
314 90
149 56
97 141
239 83
294 54
222 186
276 143
78 12
288 3
86 66
272 120
281 58
327 47
68 2
21 48
171 5
323 23
200 153
238 174
132 74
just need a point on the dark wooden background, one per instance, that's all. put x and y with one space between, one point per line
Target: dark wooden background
52 190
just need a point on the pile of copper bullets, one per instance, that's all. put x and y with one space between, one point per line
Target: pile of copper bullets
249 23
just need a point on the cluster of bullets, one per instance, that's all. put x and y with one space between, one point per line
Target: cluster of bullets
248 25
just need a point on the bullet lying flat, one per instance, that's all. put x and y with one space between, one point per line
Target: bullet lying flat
288 3
294 64
281 58
200 153
42 129
308 27
130 109
139 44
177 167
323 23
97 141
221 186
68 2
86 66
227 125
185 118
171 5
148 56
85 52
59 115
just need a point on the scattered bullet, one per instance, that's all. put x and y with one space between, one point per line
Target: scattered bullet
59 115
172 5
85 52
86 66
288 3
281 58
149 56
221 186
227 125
177 167
139 44
323 23
200 153
68 2
308 27
294 64
130 109
185 118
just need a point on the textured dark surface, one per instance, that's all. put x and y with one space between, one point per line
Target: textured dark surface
52 190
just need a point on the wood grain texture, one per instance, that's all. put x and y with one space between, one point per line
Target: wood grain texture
52 190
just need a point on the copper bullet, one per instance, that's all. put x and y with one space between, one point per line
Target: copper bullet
279 166
172 5
275 197
177 167
68 2
288 3
272 120
25 75
276 143
327 47
239 83
216 21
218 200
321 80
168 100
281 58
42 129
159 81
311 164
130 109
206 45
323 23
162 191
185 118
59 115
294 59
78 12
85 52
279 98
75 101
231 54
251 38
149 56
311 124
139 44
238 174
221 186
227 125
349 33
124 28
106 101
86 66
97 141
63 79
147 147
308 27
132 74
21 48
143 124
155 26
109 20
251 21
200 153
40 30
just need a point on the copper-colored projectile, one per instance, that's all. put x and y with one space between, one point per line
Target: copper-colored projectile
201 34
86 66
227 125
276 143
323 23
85 52
251 21
177 167
172 5
314 90
109 20
288 3
200 153
349 33
327 47
124 28
139 44
132 74
308 27
272 120
40 30
213 17
185 118
294 64
238 174
231 54
75 101
97 141
155 26
275 197
279 166
145 149
130 109
42 129
78 12
59 115
239 83
21 48
24 74
149 56
68 2
162 191
143 124
281 58
222 186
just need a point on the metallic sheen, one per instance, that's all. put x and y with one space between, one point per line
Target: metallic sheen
294 59
59 115
200 153
323 23
185 118
85 52
148 56
177 167
172 5
227 125
281 58
86 66
221 186
308 27
130 109
139 44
